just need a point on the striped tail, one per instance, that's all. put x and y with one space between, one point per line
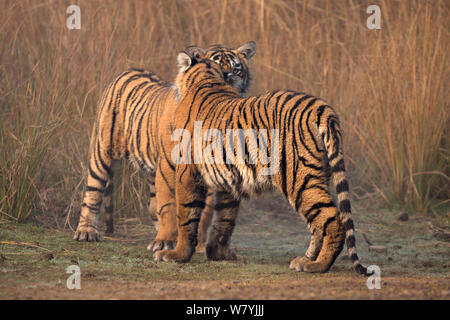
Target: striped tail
332 139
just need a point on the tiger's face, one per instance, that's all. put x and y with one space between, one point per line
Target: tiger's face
233 62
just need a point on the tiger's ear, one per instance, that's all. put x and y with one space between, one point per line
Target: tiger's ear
195 52
248 49
184 61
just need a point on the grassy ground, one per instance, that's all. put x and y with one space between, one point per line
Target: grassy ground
33 261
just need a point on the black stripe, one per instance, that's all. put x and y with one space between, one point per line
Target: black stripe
167 159
292 115
172 191
309 165
351 241
338 167
362 270
311 218
342 186
194 204
318 205
191 221
96 177
301 189
335 133
325 225
140 109
95 210
113 124
162 208
344 206
138 131
193 73
103 164
302 137
348 225
313 136
227 205
138 104
354 257
231 222
319 114
89 188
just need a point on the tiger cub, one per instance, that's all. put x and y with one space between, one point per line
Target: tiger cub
288 140
132 116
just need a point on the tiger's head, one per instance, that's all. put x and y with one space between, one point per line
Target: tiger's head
233 62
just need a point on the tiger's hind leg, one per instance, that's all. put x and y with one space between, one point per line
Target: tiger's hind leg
333 241
109 207
165 211
205 222
311 254
98 182
152 202
327 232
219 234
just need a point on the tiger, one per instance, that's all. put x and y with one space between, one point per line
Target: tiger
132 115
302 154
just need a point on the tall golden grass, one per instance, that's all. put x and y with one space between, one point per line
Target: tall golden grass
390 86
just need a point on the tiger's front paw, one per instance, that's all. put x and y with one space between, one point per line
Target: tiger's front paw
158 245
85 233
172 255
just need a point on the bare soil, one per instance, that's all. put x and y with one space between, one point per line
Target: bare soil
33 261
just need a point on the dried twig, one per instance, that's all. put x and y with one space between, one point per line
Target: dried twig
434 228
15 243
124 240
367 239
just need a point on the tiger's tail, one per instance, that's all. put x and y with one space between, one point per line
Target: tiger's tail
329 129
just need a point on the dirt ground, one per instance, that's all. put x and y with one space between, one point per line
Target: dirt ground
33 261
325 287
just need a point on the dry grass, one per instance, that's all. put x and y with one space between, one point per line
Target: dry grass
388 85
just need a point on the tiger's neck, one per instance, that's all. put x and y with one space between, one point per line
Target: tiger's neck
202 76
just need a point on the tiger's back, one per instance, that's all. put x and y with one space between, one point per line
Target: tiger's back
133 106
